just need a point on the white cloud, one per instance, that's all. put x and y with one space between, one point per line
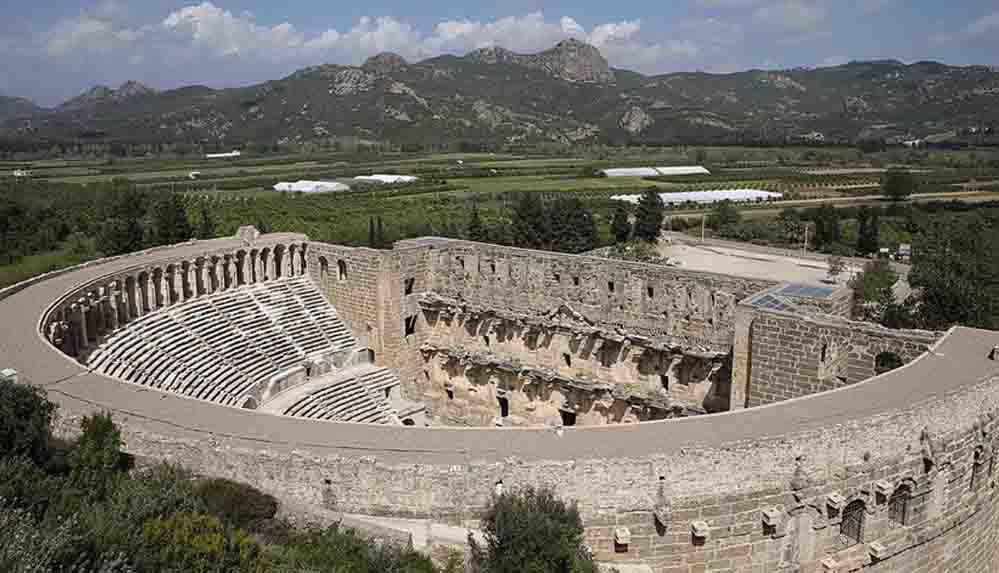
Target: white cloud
80 33
873 6
792 15
988 24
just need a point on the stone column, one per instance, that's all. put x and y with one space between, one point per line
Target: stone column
272 265
192 280
230 271
151 291
113 309
293 255
79 328
286 270
741 365
204 278
178 285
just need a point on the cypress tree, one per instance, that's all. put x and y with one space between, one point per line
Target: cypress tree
620 225
206 225
476 231
573 229
380 238
371 233
867 234
650 217
529 224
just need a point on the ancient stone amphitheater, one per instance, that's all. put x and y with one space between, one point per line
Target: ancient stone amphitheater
703 422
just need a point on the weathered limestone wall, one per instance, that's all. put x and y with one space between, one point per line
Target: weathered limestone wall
790 356
694 309
767 505
351 279
594 377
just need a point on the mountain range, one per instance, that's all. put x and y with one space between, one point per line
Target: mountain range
565 94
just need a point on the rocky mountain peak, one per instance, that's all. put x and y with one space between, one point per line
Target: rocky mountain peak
385 63
100 95
569 60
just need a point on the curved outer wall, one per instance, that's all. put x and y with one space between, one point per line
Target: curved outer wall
760 489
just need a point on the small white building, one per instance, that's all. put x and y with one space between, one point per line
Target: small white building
194 175
22 173
387 179
232 154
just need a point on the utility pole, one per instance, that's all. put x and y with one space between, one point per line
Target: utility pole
804 246
702 228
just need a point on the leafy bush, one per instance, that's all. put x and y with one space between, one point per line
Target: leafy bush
531 531
317 549
198 542
25 416
235 503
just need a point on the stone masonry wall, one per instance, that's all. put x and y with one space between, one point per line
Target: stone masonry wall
770 505
792 357
694 309
696 382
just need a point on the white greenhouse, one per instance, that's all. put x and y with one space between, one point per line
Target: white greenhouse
305 186
706 197
654 171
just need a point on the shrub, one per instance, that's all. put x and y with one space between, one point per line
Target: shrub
235 503
96 458
25 415
531 531
197 542
348 550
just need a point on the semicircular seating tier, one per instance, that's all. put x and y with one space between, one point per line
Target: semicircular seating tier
227 346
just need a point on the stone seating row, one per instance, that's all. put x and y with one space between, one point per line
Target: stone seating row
220 347
356 394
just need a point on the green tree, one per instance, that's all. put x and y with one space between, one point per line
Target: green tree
650 216
956 273
531 531
620 225
573 229
873 290
25 415
836 267
169 221
96 458
380 234
529 223
868 232
826 227
723 214
476 230
123 212
898 184
206 224
372 236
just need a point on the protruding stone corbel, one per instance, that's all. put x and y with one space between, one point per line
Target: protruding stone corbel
700 530
622 536
830 565
772 517
835 500
878 550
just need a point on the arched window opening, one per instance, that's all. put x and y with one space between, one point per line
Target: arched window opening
898 506
341 268
851 529
504 404
825 354
886 362
324 269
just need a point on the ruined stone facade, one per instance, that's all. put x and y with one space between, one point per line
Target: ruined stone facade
891 473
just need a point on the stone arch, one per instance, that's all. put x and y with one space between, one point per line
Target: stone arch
241 274
249 403
852 522
142 284
324 270
279 260
900 505
213 274
341 270
303 260
171 296
266 270
252 266
886 362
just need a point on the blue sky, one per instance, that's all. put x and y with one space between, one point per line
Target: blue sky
54 49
